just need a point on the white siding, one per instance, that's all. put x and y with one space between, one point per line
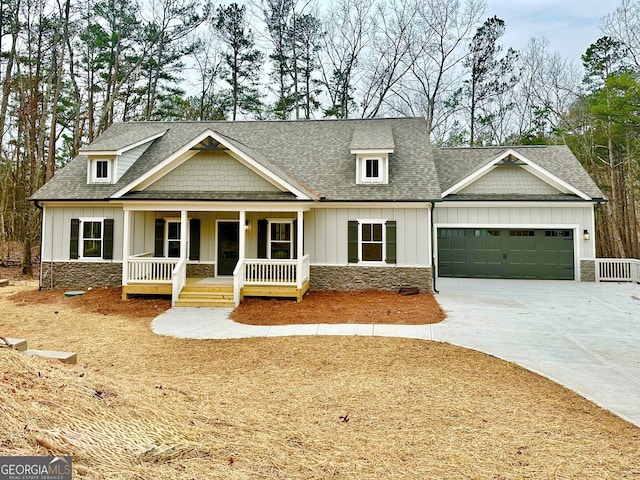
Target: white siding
129 157
326 233
58 230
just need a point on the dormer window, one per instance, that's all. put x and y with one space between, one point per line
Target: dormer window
100 170
372 169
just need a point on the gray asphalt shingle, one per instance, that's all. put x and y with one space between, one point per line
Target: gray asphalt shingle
313 156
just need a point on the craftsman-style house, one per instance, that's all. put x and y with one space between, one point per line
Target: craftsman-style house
210 212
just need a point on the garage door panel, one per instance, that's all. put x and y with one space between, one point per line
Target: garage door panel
506 253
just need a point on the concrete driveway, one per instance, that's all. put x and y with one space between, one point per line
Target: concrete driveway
585 336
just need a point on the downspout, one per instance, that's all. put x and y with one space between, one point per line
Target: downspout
39 207
433 257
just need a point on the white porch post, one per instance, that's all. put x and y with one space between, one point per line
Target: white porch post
299 247
125 247
242 234
183 234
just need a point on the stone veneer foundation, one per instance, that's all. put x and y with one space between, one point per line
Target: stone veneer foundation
80 274
352 277
587 270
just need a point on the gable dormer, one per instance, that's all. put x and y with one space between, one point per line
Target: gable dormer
372 144
107 165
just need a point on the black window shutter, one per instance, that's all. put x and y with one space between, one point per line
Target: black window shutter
75 234
262 238
295 238
352 237
158 250
391 241
107 240
194 239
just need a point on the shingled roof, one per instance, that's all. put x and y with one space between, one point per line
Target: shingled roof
313 155
455 164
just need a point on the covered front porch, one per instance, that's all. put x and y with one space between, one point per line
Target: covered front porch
214 256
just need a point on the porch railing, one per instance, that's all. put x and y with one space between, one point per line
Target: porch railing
270 272
146 269
179 280
618 270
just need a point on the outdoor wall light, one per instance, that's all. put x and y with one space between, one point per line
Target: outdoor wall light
586 235
246 226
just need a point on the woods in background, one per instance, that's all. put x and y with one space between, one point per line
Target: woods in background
68 70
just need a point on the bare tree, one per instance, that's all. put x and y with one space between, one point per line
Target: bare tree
388 60
442 29
349 31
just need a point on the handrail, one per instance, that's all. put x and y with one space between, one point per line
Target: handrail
178 280
238 281
618 270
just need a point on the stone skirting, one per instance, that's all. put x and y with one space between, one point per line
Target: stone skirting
201 270
587 270
356 277
80 275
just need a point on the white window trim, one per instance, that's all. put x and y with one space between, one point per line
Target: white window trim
383 169
383 222
167 221
293 246
84 220
93 170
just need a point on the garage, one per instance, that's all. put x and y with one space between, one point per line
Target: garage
543 254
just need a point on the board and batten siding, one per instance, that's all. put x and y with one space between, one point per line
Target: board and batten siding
326 233
57 227
578 216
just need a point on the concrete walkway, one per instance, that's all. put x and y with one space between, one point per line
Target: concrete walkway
585 336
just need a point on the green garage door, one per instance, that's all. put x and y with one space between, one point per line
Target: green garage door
505 253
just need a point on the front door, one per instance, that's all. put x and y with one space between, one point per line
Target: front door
228 241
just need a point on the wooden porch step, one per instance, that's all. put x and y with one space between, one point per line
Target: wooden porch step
64 357
206 295
205 302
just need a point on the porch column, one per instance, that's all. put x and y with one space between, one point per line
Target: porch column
299 248
125 247
242 236
184 225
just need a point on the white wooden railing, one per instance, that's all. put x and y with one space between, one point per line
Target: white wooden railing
179 280
258 271
617 270
142 268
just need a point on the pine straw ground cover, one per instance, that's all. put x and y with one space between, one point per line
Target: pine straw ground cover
143 406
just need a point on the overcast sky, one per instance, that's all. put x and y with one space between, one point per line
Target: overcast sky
569 25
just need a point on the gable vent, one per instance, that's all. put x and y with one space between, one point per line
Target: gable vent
209 145
511 161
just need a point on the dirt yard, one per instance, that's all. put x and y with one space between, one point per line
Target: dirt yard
143 406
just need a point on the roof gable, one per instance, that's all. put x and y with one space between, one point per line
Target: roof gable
553 166
214 141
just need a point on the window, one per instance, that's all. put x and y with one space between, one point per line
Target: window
280 240
173 239
372 169
100 170
371 241
91 238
